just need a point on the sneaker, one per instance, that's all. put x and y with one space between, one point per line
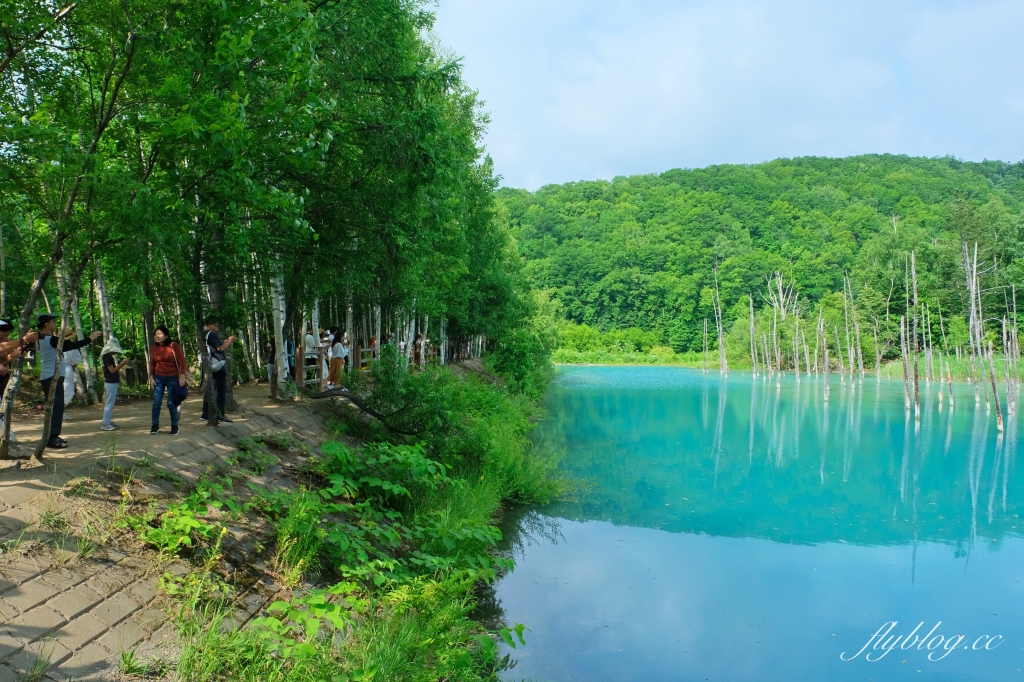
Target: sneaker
155 428
174 431
108 427
226 420
115 425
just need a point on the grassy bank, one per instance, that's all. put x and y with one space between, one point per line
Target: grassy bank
658 355
381 545
960 370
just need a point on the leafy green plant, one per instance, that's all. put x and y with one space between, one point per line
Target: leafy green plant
300 537
9 546
201 585
488 649
300 620
178 527
253 454
130 665
84 547
380 470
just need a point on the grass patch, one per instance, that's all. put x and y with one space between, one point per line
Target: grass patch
383 546
299 538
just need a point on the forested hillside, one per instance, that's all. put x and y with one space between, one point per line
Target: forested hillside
641 252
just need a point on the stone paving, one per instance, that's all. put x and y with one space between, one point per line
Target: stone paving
67 618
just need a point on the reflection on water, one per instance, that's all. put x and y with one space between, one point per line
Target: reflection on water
735 478
700 454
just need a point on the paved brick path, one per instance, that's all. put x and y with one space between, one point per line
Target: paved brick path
79 615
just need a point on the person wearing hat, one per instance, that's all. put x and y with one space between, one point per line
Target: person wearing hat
48 369
10 349
111 380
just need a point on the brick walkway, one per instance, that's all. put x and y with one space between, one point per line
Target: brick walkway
75 616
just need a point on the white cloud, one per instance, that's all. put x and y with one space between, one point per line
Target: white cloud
582 90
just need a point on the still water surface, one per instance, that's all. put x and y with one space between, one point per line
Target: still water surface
736 530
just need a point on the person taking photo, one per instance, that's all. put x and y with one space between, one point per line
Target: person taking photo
218 366
48 370
9 350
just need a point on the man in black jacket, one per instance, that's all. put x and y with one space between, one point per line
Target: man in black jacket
218 358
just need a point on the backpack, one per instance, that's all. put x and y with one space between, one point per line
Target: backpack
217 358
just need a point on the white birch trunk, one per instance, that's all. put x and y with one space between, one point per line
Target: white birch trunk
89 386
316 321
106 313
281 361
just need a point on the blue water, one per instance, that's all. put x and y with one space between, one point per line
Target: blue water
736 530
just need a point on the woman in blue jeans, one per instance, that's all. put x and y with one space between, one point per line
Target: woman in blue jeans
111 380
166 371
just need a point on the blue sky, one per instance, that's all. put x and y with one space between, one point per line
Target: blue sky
584 90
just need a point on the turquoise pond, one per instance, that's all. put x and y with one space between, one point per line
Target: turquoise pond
733 529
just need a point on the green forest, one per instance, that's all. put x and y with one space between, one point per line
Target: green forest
630 265
321 160
278 168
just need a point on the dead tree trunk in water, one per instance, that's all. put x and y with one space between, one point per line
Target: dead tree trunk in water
903 357
917 390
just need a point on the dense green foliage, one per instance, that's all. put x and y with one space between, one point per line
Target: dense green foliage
187 153
387 543
641 252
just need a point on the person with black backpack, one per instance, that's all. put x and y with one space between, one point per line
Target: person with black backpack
218 365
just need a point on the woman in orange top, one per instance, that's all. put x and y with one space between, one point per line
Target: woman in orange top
166 369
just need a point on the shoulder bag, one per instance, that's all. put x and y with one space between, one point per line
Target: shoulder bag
216 363
180 392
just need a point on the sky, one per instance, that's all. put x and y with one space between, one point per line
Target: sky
592 90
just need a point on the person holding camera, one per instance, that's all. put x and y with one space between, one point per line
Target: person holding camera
111 380
218 366
48 370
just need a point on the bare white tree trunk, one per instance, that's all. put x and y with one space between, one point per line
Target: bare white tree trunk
753 339
316 321
444 342
915 346
796 346
281 361
72 303
903 355
247 356
106 312
824 351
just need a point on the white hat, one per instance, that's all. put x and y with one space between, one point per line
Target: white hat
111 346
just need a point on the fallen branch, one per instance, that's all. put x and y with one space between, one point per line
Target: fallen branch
347 395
